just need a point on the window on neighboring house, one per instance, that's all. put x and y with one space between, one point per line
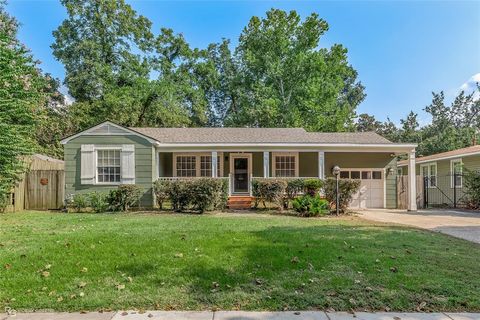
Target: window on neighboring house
377 175
344 174
285 166
355 174
456 168
429 171
186 166
108 166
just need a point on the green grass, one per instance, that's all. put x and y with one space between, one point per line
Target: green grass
250 262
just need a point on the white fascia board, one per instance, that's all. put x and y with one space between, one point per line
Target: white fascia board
443 158
127 132
394 148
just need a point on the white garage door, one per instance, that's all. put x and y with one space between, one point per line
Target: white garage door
371 192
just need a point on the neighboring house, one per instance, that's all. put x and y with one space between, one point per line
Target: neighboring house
107 155
442 172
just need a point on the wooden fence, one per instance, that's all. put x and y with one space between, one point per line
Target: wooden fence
402 192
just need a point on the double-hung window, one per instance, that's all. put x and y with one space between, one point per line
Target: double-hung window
108 166
429 172
285 165
456 167
196 165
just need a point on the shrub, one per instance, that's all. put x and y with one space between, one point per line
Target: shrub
269 190
97 201
472 189
77 202
312 186
198 194
294 188
160 188
347 188
124 197
310 206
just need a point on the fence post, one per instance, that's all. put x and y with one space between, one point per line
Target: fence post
454 189
425 192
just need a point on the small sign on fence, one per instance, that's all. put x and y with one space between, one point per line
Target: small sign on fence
43 181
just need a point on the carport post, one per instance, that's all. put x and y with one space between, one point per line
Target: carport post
412 183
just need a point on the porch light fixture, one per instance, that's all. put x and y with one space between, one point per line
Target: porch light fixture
336 173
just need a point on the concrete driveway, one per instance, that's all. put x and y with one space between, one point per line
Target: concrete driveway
457 223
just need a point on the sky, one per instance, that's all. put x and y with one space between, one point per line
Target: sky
402 50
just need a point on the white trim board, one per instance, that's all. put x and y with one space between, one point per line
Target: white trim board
126 132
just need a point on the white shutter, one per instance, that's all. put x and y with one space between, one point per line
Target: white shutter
128 163
87 164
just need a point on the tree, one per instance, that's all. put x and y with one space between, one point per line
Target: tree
284 79
21 99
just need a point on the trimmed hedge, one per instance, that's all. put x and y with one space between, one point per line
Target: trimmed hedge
346 189
124 197
269 190
200 194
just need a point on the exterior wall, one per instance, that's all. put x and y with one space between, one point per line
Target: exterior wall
444 193
308 164
144 164
366 160
166 164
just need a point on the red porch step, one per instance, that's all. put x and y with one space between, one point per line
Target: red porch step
239 202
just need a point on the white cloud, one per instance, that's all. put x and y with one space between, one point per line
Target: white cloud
471 84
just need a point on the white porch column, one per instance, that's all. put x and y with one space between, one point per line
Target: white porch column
214 164
321 165
412 183
266 164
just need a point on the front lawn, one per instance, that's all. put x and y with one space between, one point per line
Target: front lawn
250 262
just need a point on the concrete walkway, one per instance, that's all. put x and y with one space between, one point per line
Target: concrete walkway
457 223
241 315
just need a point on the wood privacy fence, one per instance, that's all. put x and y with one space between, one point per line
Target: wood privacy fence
41 188
44 189
402 192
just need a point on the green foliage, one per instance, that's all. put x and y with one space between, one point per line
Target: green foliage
98 201
124 197
471 187
310 206
201 194
347 189
21 99
269 190
294 188
77 202
313 186
160 188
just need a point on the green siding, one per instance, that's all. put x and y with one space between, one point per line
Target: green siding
144 164
257 165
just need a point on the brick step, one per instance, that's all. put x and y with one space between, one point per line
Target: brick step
239 207
239 202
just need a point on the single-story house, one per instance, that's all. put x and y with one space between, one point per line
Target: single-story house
108 154
442 173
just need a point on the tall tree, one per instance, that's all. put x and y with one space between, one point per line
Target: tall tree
284 79
21 100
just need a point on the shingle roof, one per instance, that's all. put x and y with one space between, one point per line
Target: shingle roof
257 135
449 154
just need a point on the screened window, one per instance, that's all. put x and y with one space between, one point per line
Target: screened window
366 175
355 174
186 166
456 169
377 175
205 166
285 166
344 174
108 166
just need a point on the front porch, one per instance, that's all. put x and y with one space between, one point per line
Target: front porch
376 170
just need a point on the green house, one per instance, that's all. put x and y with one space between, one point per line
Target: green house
106 155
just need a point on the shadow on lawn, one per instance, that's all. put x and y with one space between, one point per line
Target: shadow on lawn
288 268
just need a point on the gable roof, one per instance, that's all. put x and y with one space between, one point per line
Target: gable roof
257 135
463 152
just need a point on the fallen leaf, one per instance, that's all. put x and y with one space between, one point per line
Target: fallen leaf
45 274
59 299
124 313
8 266
421 306
81 294
394 269
84 270
82 284
179 255
129 279
120 286
47 266
150 315
295 260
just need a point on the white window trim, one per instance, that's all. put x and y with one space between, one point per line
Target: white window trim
101 148
279 154
429 173
197 156
452 163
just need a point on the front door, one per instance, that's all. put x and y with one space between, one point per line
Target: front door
240 174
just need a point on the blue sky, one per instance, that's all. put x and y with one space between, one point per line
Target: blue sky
402 50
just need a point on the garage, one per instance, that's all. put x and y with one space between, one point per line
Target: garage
371 192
